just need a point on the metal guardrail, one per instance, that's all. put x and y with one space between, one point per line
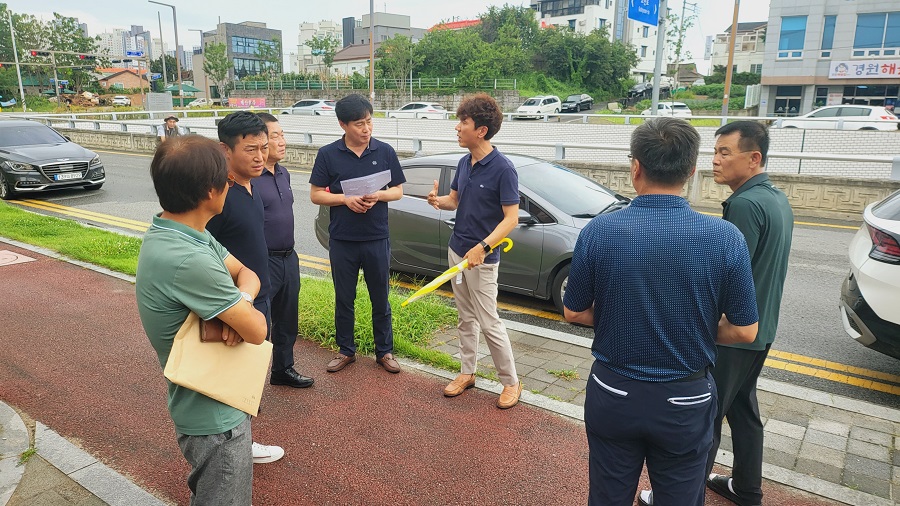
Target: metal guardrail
389 84
418 142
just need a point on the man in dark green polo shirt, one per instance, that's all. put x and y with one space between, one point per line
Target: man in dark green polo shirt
183 269
762 213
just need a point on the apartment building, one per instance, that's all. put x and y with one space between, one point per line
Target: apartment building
749 47
825 52
304 57
242 42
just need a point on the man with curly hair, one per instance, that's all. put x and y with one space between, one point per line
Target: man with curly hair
485 195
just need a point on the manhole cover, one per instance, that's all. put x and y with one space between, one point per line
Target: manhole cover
9 258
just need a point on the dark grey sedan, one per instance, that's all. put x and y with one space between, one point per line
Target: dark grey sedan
555 203
34 157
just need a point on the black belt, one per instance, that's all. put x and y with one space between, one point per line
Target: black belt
697 375
280 252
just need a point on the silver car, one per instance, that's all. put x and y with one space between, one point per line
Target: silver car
555 203
312 107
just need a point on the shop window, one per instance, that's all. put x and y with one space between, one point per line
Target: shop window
787 100
756 68
821 97
793 34
877 34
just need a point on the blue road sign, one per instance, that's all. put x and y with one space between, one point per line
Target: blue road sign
644 11
63 82
155 76
136 54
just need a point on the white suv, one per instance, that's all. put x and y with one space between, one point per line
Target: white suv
121 100
869 296
846 117
677 109
536 107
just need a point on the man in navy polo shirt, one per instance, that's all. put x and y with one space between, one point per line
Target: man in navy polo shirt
358 231
245 141
661 284
274 186
485 195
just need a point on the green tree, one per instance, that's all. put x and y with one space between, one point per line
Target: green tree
326 47
395 58
156 66
216 65
272 55
676 28
517 21
64 34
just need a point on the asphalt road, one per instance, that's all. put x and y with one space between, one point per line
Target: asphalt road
811 349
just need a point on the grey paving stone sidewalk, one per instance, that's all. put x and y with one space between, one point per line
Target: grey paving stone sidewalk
838 449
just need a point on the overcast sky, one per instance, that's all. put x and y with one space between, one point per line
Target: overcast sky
286 15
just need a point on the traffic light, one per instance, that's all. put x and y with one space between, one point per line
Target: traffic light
88 57
40 53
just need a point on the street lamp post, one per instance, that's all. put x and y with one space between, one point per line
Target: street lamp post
12 33
162 49
177 59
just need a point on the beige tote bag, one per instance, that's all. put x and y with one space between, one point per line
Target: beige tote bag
234 375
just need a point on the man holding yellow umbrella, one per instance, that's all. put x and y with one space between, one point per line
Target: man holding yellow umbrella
485 195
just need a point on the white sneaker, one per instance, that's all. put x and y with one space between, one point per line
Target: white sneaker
263 454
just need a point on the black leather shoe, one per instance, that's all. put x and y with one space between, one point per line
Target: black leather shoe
722 485
291 378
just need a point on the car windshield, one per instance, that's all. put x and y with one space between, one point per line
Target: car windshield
532 101
572 193
573 98
680 106
28 135
889 208
437 106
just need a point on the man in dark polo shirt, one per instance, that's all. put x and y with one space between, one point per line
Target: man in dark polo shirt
485 195
274 186
762 213
358 231
245 141
661 284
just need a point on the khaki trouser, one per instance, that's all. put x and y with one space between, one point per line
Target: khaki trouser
476 302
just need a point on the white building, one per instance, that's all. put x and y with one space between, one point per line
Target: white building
584 16
824 52
749 47
303 59
157 48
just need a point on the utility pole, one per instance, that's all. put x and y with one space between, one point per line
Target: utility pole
728 71
372 52
12 33
162 49
660 44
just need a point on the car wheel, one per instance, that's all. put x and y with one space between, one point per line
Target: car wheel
6 192
93 186
284 112
868 128
558 289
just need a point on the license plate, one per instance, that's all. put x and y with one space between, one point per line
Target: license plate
65 176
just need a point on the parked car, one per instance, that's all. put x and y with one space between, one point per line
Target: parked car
419 110
121 100
678 109
200 102
312 107
555 204
577 103
855 117
34 157
869 296
536 107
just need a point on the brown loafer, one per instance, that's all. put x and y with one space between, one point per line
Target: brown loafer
509 397
389 363
462 383
339 362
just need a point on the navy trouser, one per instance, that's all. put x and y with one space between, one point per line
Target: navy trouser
347 257
284 274
736 373
264 306
667 424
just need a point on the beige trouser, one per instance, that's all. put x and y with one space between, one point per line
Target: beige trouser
476 302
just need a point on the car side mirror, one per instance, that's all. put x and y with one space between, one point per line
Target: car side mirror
526 218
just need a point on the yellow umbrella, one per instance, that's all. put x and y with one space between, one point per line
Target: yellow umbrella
449 273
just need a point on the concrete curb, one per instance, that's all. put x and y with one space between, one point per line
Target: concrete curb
13 441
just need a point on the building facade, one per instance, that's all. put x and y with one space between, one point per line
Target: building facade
749 47
304 58
387 25
584 16
825 52
242 44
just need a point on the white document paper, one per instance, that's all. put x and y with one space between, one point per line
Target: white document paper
359 186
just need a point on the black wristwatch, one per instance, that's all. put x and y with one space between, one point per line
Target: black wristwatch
485 245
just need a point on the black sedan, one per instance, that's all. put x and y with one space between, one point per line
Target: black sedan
555 203
577 103
34 157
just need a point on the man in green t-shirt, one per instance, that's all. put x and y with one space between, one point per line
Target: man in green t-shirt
762 213
183 269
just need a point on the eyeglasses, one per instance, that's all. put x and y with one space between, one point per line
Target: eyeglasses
632 158
230 181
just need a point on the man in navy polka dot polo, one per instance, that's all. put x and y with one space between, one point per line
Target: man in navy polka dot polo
661 284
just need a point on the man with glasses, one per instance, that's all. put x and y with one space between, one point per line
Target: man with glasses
661 284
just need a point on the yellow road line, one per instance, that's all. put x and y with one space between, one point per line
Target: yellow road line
806 223
121 153
835 366
76 213
310 258
833 376
67 209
